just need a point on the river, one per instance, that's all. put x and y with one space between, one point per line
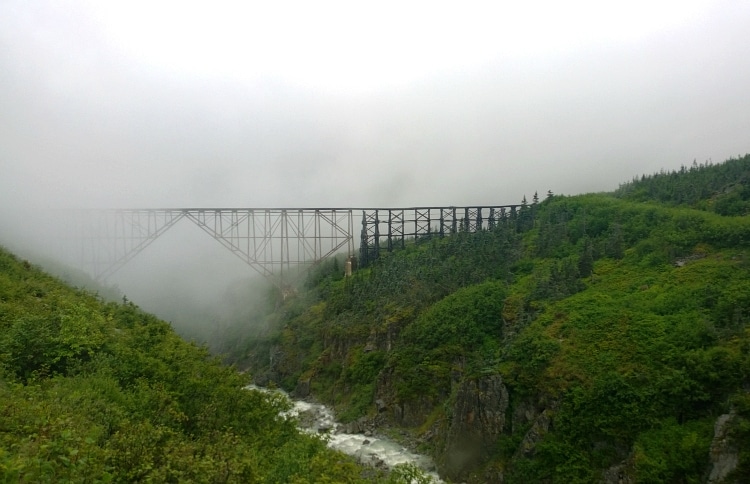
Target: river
375 450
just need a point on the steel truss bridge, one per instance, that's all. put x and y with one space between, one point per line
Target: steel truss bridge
278 243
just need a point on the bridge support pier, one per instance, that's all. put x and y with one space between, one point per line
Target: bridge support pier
419 222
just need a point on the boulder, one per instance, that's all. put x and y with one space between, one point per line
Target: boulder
302 390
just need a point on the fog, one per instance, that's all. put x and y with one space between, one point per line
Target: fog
297 104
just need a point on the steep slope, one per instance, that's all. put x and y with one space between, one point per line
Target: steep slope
95 392
722 188
592 338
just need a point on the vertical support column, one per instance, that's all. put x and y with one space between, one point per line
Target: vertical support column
317 242
422 222
247 234
254 235
300 237
390 230
363 259
370 246
395 226
350 231
416 224
376 236
282 240
400 228
270 252
334 237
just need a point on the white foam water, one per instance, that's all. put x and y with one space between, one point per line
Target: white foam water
370 450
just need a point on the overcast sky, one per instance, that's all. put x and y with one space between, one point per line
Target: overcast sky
180 103
150 103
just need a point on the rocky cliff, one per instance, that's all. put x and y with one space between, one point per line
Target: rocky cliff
477 419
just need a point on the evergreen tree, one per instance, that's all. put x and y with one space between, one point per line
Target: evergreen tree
586 260
615 242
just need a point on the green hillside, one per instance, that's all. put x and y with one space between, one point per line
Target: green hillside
95 392
593 338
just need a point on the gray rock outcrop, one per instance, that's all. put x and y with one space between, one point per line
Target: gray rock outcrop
724 454
477 420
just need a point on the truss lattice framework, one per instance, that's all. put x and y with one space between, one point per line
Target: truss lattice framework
277 243
110 239
389 227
